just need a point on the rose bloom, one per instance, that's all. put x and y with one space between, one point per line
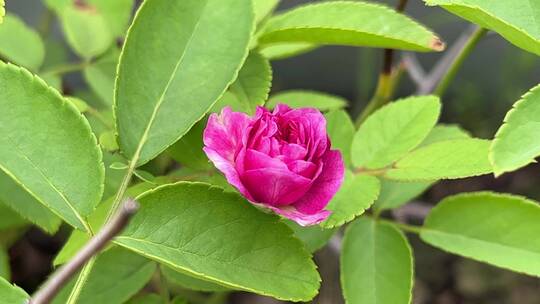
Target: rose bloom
279 160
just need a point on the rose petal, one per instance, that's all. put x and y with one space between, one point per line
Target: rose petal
301 218
276 187
325 186
224 132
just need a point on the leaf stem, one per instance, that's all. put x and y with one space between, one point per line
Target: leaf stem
405 227
458 61
163 287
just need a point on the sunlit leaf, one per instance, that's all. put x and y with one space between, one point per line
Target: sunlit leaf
305 98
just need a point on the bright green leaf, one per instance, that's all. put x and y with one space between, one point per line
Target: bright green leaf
217 236
116 276
188 151
9 219
80 104
5 270
488 227
376 264
2 11
20 44
341 132
394 130
252 85
349 23
11 294
162 91
100 75
314 237
449 159
356 194
285 50
396 193
116 14
86 30
107 140
516 144
442 132
263 8
518 21
47 146
190 282
304 98
19 200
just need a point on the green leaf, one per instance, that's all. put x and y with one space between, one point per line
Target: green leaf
442 132
488 227
263 8
376 264
116 14
86 29
516 144
107 140
349 23
19 200
100 75
162 91
12 294
449 159
341 132
285 50
47 147
252 85
394 130
304 98
2 11
397 193
80 104
188 151
77 239
314 237
5 270
20 44
9 219
356 194
150 298
117 275
190 282
217 236
517 21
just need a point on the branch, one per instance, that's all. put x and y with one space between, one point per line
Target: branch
59 279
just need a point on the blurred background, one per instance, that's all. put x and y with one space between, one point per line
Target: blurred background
492 78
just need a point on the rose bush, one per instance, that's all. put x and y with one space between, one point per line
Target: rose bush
281 160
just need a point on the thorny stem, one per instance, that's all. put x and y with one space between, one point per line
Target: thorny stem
85 256
458 61
386 83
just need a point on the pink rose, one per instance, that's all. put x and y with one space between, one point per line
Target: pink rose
279 160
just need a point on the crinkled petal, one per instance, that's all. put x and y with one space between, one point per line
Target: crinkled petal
301 218
275 187
224 132
325 186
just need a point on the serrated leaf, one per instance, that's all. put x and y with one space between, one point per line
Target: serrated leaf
11 294
341 132
160 95
47 147
100 75
314 237
516 143
305 98
252 85
517 21
356 194
285 50
116 276
376 264
263 8
80 104
190 282
449 159
396 193
188 151
5 270
394 130
9 219
217 236
20 44
442 132
488 227
20 201
349 23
